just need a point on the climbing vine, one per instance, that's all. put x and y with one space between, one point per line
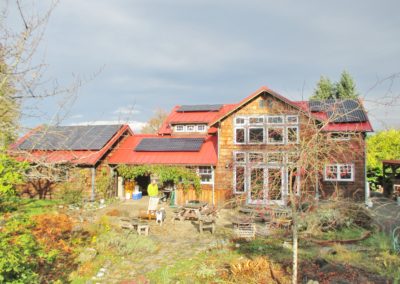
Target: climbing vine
178 175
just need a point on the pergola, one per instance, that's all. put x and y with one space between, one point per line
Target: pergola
391 177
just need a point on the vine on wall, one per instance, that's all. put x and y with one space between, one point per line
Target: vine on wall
178 175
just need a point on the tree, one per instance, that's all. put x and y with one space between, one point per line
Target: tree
154 123
344 89
384 145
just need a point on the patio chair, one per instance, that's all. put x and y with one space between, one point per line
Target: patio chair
150 213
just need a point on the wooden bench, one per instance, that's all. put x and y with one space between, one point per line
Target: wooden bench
206 223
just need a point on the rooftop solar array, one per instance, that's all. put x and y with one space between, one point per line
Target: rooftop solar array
340 110
90 137
169 145
195 108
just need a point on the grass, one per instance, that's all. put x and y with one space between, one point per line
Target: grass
347 233
32 207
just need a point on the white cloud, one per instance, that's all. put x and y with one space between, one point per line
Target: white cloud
127 110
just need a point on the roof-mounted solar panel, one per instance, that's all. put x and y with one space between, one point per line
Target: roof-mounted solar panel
340 111
169 145
88 137
199 108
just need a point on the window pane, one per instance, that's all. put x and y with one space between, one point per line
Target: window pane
345 172
331 172
256 135
205 170
206 178
292 134
275 157
274 184
256 120
240 157
257 183
239 135
256 157
201 127
275 135
190 128
275 119
293 157
239 179
179 128
292 119
239 120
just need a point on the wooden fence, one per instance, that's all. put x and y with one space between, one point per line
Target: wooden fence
206 195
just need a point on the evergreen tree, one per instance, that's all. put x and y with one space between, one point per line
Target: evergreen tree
346 88
324 90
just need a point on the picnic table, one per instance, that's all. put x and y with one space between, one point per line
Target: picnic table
244 227
191 210
134 224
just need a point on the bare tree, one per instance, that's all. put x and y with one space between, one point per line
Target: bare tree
155 122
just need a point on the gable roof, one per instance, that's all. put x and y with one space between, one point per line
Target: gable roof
191 117
42 146
127 153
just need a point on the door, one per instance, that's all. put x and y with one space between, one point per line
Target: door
275 185
257 185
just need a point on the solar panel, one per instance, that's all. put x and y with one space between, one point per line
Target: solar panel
340 110
194 108
169 145
90 137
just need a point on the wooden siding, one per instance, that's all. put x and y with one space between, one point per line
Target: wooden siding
220 196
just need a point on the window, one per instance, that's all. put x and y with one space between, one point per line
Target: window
277 119
190 128
239 179
180 128
240 157
292 134
292 157
240 136
338 136
292 119
256 135
256 120
206 175
240 121
274 158
256 157
275 135
201 128
339 172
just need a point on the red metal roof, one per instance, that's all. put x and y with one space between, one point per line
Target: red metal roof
342 127
86 157
206 117
125 153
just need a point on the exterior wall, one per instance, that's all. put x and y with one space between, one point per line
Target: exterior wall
350 151
206 195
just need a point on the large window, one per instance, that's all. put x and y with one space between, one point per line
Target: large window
292 134
339 172
256 135
275 135
239 178
240 135
206 175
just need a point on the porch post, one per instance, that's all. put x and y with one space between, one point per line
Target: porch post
93 169
213 186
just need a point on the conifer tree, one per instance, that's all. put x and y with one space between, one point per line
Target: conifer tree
324 89
346 88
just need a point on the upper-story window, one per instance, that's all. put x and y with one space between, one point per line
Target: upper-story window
339 172
341 136
190 128
266 129
206 174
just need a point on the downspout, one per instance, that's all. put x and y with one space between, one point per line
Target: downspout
368 201
213 186
93 169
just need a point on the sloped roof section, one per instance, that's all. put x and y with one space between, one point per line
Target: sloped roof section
339 111
169 145
90 137
196 108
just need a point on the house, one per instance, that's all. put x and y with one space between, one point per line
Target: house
238 148
58 151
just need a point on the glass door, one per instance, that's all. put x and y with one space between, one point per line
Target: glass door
275 185
257 184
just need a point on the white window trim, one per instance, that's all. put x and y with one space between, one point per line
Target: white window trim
347 137
244 179
257 123
275 163
248 135
212 175
275 116
275 143
201 125
240 124
292 123
234 157
255 152
180 125
338 178
191 125
244 134
297 135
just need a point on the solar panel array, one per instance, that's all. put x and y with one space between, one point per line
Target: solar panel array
90 137
169 145
340 110
195 108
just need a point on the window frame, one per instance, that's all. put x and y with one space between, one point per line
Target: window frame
255 152
256 117
240 117
290 116
248 135
343 136
180 125
190 125
235 136
275 143
276 116
297 134
275 163
338 176
244 179
201 130
211 174
235 155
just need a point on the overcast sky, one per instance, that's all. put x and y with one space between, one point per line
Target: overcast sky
157 54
